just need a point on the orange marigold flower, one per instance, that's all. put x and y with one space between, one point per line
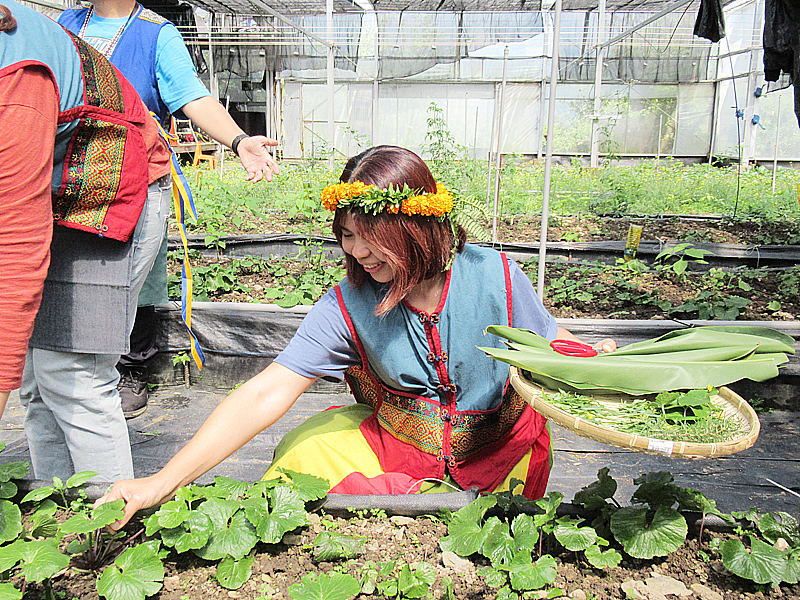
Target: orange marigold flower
332 194
430 205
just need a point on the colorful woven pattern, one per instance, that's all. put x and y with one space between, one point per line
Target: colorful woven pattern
419 422
102 84
93 177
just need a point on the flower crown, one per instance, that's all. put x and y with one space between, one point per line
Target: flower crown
372 200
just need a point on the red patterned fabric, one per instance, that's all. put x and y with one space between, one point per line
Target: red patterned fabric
105 176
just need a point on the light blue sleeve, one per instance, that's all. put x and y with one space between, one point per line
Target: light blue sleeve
178 83
323 345
528 310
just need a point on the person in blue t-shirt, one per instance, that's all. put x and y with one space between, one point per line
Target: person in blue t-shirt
151 54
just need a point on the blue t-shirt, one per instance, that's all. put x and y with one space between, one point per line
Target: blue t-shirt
178 83
324 347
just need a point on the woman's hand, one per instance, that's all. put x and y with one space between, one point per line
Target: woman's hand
137 493
606 345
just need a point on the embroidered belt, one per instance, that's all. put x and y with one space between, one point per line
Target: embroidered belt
421 423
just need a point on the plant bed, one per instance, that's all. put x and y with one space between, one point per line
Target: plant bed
500 546
595 291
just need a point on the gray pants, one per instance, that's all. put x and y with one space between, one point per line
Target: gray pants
74 420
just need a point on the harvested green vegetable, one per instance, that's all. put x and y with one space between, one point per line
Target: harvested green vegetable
673 416
685 359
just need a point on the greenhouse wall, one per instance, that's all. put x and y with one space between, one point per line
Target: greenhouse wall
665 92
637 120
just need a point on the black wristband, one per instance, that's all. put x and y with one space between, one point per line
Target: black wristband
235 142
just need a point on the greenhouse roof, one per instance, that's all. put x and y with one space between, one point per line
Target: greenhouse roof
318 7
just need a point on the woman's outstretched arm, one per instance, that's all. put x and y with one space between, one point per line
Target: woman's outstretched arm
243 414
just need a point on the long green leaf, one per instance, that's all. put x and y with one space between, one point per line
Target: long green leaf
688 359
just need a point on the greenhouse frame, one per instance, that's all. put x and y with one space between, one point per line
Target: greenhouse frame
632 80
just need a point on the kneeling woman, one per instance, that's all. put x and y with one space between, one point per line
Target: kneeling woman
403 328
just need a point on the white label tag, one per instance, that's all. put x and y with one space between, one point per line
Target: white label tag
660 446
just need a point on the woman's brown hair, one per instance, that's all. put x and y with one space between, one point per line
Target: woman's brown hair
416 248
7 20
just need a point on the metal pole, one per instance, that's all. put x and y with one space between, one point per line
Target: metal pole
331 111
211 75
539 149
548 164
489 154
598 84
660 126
498 155
777 135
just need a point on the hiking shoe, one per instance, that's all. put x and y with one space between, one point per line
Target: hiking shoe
132 388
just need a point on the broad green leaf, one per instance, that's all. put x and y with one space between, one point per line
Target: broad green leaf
135 574
9 592
10 555
641 538
762 564
10 521
600 559
308 486
103 515
575 538
779 525
549 504
506 593
233 574
8 489
287 514
43 524
493 577
525 532
693 500
37 495
192 534
605 487
172 513
235 538
333 586
332 546
219 510
499 547
465 533
78 479
233 487
792 573
528 575
107 513
14 470
42 559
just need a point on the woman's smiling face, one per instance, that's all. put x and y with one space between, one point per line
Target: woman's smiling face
370 258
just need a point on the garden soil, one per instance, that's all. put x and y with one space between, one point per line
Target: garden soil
690 572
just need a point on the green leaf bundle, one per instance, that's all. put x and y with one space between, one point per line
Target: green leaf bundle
691 358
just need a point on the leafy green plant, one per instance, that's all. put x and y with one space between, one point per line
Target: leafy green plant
330 586
678 258
223 522
708 304
332 546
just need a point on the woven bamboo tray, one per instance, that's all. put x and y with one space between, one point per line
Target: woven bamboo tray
734 407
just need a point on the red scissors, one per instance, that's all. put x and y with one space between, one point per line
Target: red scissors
573 348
